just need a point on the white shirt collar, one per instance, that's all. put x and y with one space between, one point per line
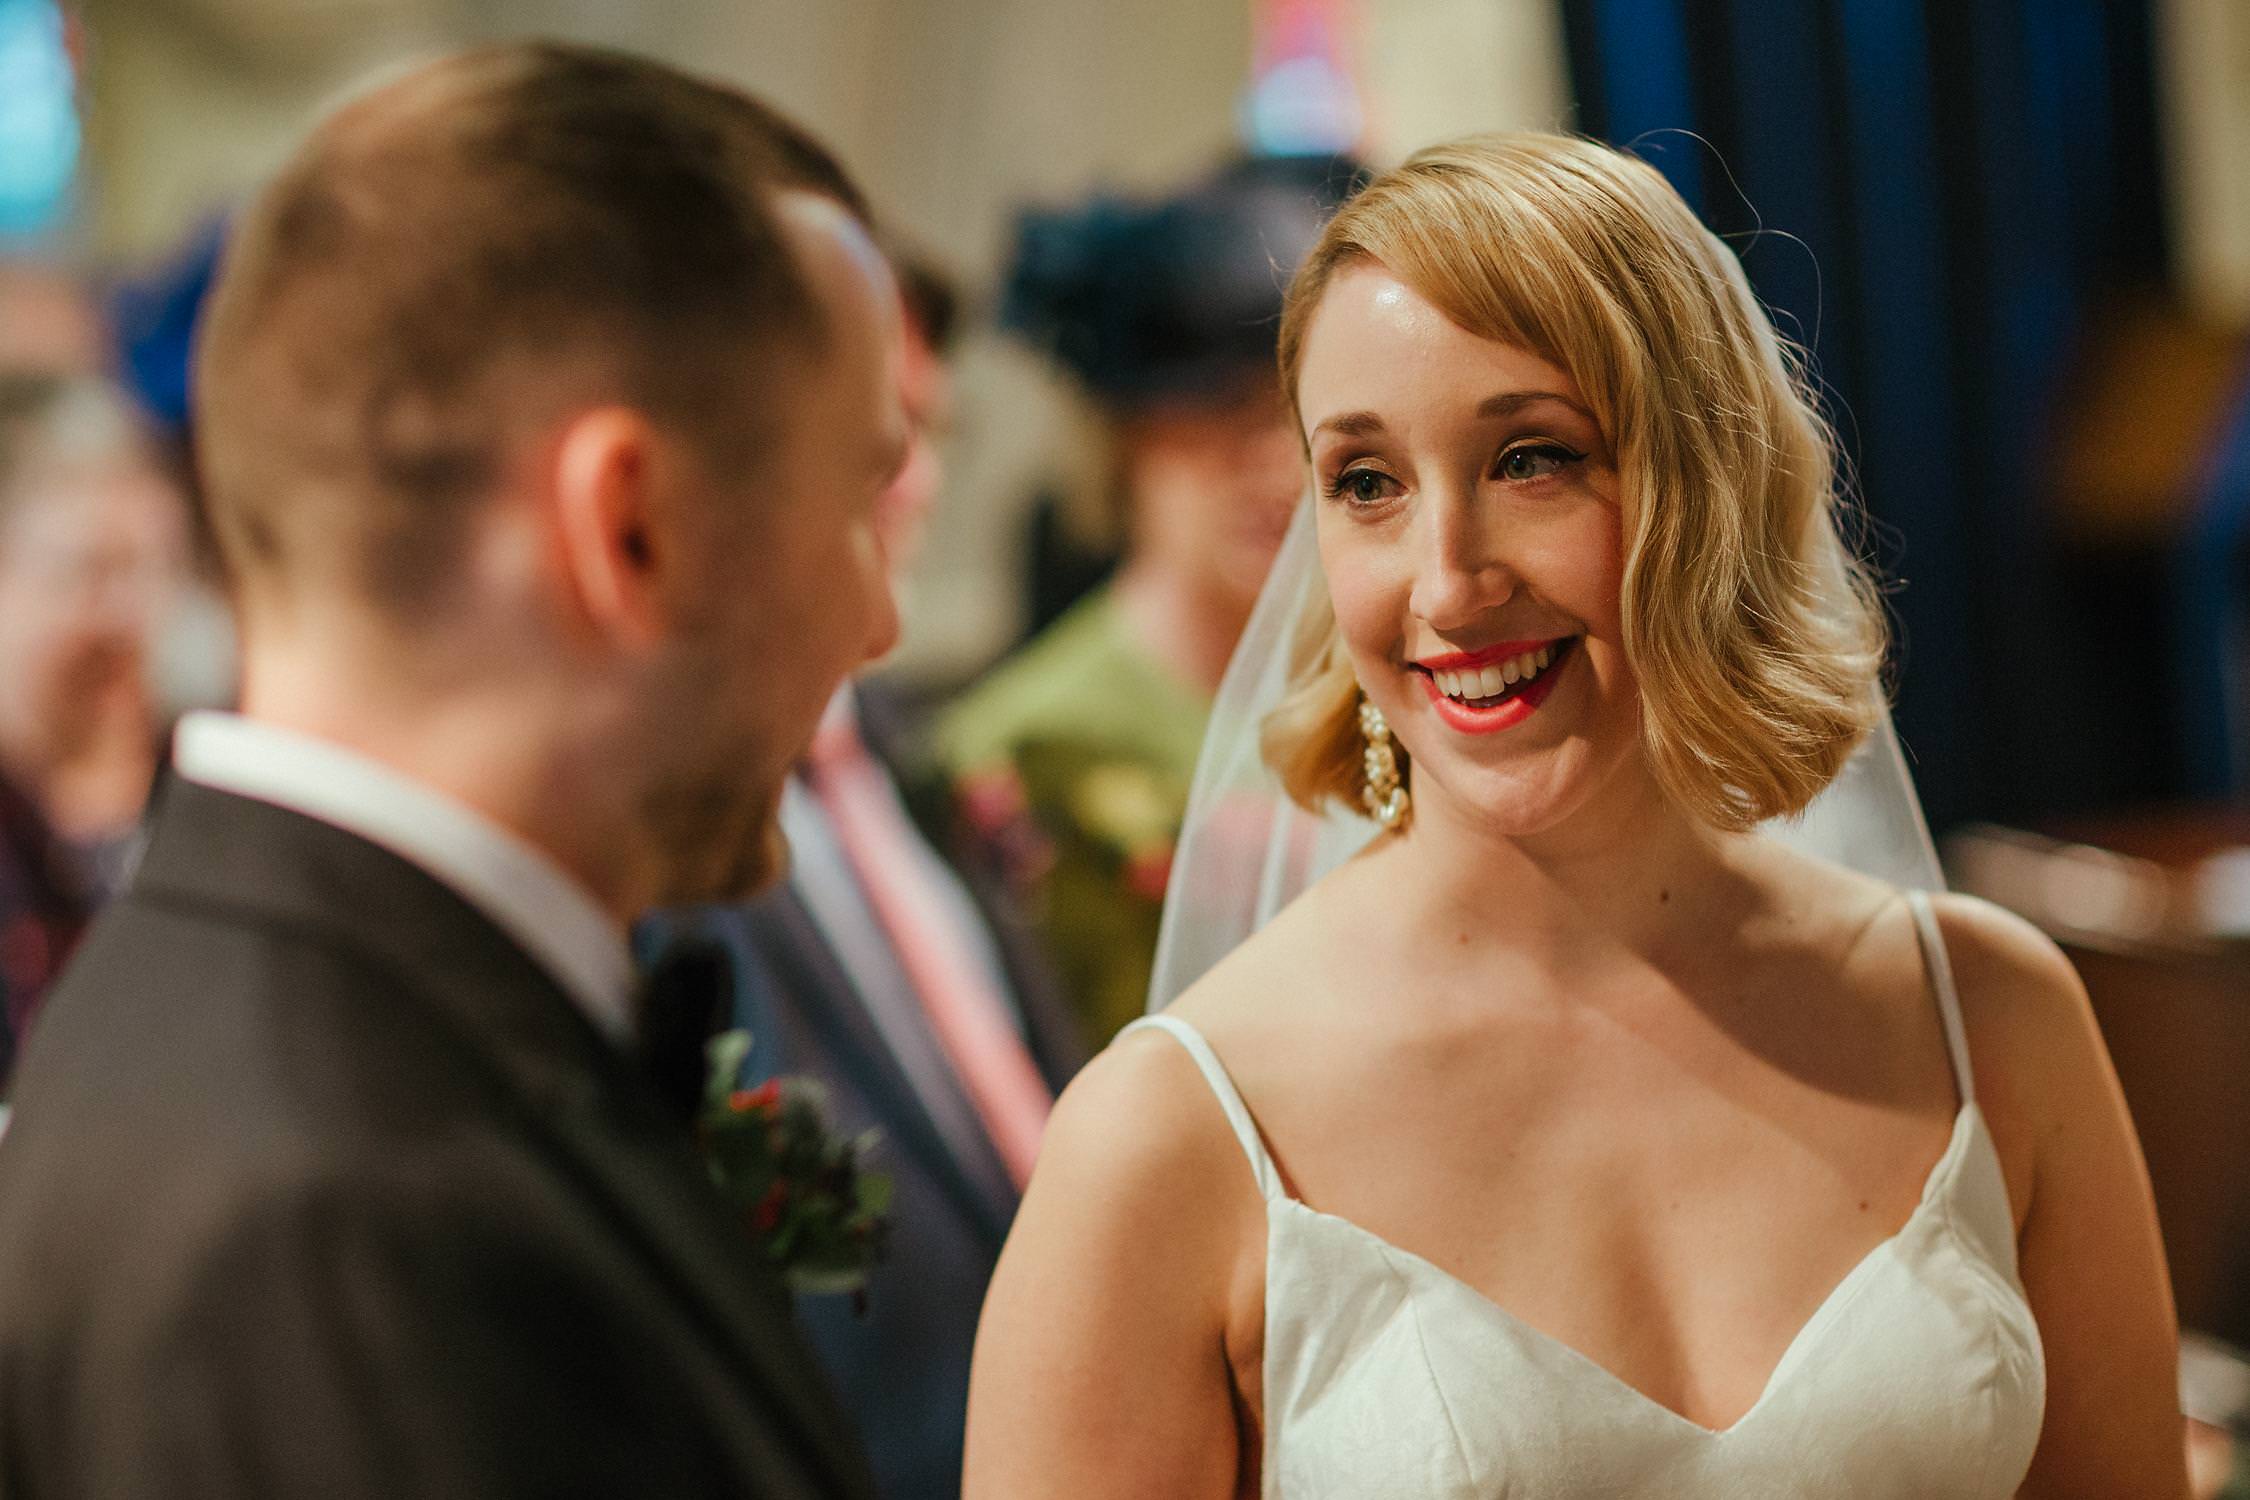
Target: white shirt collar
524 893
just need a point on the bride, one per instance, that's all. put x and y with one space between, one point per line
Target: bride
1578 1135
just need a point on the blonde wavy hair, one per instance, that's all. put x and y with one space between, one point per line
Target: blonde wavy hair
1756 633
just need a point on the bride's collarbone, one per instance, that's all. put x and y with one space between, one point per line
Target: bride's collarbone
1480 1147
1432 1075
1641 1260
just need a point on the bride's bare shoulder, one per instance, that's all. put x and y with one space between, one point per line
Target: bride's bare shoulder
1804 882
1283 967
1139 1137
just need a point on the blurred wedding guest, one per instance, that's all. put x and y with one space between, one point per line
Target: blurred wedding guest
337 1167
916 999
1073 758
93 555
49 321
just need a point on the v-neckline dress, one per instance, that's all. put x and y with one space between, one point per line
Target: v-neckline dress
1919 1377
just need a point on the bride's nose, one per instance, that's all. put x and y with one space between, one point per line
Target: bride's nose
1461 571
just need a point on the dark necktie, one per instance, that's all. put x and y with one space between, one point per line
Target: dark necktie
686 999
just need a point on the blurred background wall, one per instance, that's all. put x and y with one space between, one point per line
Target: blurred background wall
2204 63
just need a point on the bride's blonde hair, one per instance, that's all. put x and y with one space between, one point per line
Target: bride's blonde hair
1755 632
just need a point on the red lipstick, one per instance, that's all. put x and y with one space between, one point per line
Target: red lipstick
1515 706
1485 656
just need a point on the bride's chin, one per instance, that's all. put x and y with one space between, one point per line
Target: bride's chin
1509 805
1550 793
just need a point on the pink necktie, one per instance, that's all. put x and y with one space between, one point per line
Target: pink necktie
968 1014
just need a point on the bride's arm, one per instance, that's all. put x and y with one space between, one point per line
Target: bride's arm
2090 1257
1101 1362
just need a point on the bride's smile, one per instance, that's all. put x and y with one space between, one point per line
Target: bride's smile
1495 687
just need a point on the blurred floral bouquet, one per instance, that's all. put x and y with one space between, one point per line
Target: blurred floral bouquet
804 1192
1082 836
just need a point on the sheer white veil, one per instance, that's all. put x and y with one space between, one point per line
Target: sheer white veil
1246 850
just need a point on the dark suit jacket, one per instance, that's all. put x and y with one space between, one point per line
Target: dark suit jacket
903 1368
318 1185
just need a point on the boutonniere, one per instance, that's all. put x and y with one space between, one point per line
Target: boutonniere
804 1192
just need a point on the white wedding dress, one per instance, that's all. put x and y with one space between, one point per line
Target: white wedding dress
1919 1378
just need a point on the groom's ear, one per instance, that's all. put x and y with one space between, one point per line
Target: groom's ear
607 477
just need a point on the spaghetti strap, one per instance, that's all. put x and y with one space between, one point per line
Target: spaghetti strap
1948 999
1230 1099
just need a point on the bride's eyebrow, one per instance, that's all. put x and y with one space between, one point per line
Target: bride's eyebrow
1351 424
1507 403
1510 402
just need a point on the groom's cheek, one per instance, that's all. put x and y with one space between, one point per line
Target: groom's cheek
880 591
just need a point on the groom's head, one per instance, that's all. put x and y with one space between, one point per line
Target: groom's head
558 379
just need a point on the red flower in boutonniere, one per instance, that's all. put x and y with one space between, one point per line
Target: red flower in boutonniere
764 1099
804 1193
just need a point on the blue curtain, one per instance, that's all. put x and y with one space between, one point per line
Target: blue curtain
1929 194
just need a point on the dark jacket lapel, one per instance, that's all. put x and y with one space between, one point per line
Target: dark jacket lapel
571 1090
804 964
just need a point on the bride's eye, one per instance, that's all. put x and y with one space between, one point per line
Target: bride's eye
1360 487
1527 461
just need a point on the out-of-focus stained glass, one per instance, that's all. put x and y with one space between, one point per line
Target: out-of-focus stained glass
38 119
1303 98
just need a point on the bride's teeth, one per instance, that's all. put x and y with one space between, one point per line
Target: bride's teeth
1490 681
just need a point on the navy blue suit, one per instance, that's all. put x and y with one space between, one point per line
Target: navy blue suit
902 1369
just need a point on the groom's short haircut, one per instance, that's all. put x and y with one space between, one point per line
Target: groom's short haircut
449 260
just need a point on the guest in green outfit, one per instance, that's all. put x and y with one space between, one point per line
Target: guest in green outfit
1071 761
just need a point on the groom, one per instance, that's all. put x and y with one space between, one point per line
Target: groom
542 407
